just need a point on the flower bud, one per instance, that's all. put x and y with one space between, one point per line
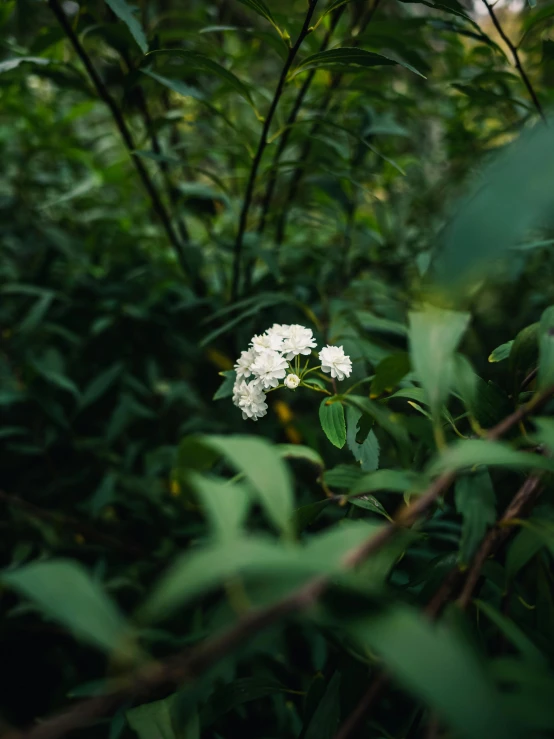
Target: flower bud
292 381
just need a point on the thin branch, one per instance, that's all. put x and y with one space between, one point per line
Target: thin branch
272 181
157 203
305 30
298 173
524 498
188 665
517 60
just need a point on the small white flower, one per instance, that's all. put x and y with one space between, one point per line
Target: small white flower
266 341
292 381
336 362
269 367
250 398
299 340
279 329
244 363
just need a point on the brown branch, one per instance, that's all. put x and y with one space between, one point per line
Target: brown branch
69 522
517 60
524 498
237 257
103 92
188 665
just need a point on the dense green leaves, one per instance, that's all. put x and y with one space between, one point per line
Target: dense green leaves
349 60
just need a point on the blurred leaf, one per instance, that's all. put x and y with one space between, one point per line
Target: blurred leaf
434 337
205 64
126 13
176 85
395 481
331 417
349 59
389 372
324 722
298 451
501 352
240 691
520 641
521 550
261 8
476 502
546 350
226 504
100 385
64 591
225 390
265 471
422 657
473 452
156 721
499 213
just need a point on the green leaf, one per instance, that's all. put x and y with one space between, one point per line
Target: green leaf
176 85
307 514
545 432
512 631
331 417
366 452
499 213
226 504
439 668
205 64
383 417
476 502
240 691
343 476
126 13
389 372
324 722
261 8
156 721
264 469
546 350
525 545
100 385
434 337
64 591
395 481
349 59
298 451
501 352
8 64
473 452
225 390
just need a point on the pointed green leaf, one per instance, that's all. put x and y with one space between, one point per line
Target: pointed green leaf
434 337
365 452
476 501
126 13
501 352
331 416
473 452
349 59
64 591
205 64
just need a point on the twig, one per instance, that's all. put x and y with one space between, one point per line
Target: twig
190 664
305 151
69 522
272 181
525 497
157 203
517 60
305 30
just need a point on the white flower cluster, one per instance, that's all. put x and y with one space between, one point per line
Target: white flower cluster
266 366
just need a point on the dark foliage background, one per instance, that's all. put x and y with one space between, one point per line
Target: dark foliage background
163 197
